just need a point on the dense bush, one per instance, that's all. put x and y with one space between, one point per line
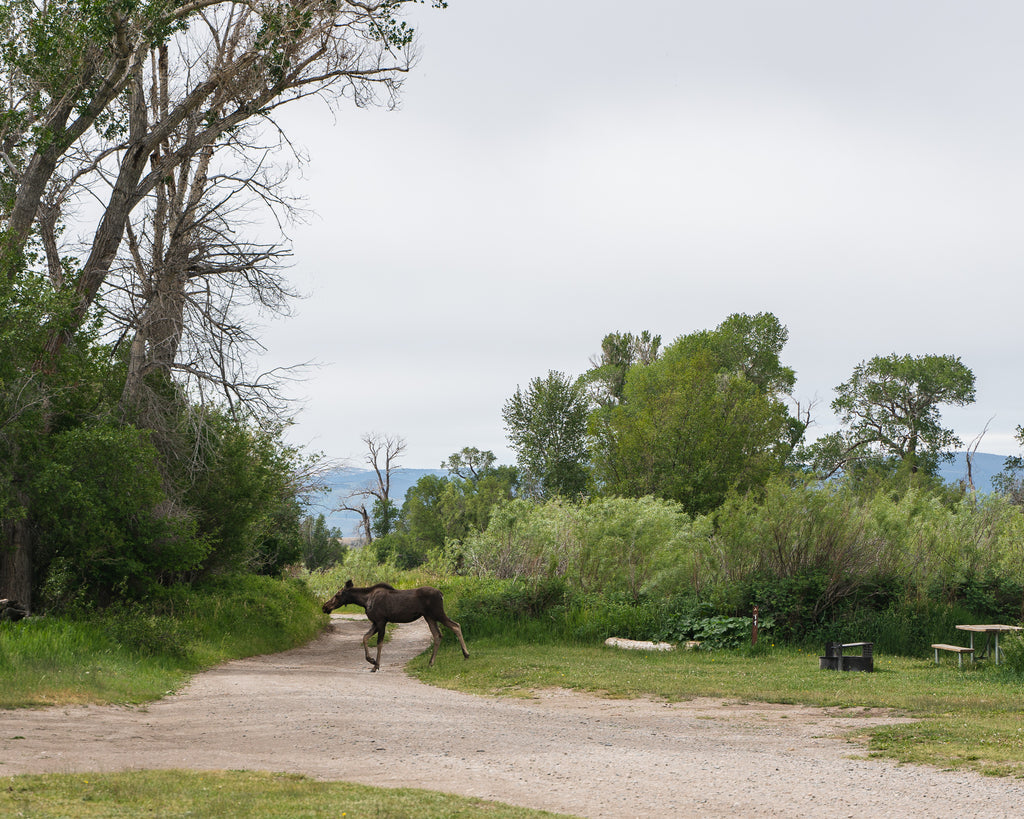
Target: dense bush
245 498
716 631
622 545
822 563
105 523
542 610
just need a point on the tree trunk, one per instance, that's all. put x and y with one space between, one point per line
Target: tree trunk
16 562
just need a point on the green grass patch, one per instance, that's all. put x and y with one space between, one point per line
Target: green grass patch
132 653
229 794
966 718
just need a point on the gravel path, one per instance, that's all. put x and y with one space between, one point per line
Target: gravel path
317 710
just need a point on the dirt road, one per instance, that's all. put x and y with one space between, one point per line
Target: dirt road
317 710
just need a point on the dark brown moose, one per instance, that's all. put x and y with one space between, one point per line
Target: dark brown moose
385 604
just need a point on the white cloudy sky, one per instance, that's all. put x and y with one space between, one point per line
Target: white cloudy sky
562 170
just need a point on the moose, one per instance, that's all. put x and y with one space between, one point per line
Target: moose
385 604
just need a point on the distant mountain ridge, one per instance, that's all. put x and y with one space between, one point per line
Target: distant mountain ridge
984 466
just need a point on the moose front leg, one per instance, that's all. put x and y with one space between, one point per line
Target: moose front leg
366 645
380 645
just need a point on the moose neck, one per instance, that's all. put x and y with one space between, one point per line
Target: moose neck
359 596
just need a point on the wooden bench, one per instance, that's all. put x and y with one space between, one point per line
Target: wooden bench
958 650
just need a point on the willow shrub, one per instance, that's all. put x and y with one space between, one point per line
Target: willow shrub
628 546
970 552
550 610
822 563
828 564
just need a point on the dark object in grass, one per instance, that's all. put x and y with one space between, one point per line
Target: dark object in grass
12 610
837 661
385 604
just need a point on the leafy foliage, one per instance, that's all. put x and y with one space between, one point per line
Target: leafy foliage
621 545
717 631
105 519
246 499
322 546
689 433
440 511
546 425
890 410
620 352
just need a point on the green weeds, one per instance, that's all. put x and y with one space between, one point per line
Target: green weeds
132 653
231 794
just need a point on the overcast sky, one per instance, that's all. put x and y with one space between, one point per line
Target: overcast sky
562 170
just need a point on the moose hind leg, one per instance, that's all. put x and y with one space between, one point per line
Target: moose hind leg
457 630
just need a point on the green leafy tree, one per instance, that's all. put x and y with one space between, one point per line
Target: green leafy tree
107 525
322 545
749 346
1010 482
889 409
703 418
619 352
383 516
440 510
469 463
422 514
683 433
546 425
36 404
246 497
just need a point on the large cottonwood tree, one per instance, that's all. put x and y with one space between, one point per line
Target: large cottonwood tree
705 417
103 107
546 425
890 412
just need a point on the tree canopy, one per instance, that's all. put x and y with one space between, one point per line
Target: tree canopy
546 425
702 418
153 112
890 412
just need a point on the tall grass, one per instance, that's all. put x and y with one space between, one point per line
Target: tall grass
132 652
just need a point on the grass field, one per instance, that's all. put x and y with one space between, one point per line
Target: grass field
968 718
231 795
136 653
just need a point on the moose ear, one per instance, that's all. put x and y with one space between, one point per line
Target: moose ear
348 583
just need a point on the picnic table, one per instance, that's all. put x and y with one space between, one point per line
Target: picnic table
991 630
